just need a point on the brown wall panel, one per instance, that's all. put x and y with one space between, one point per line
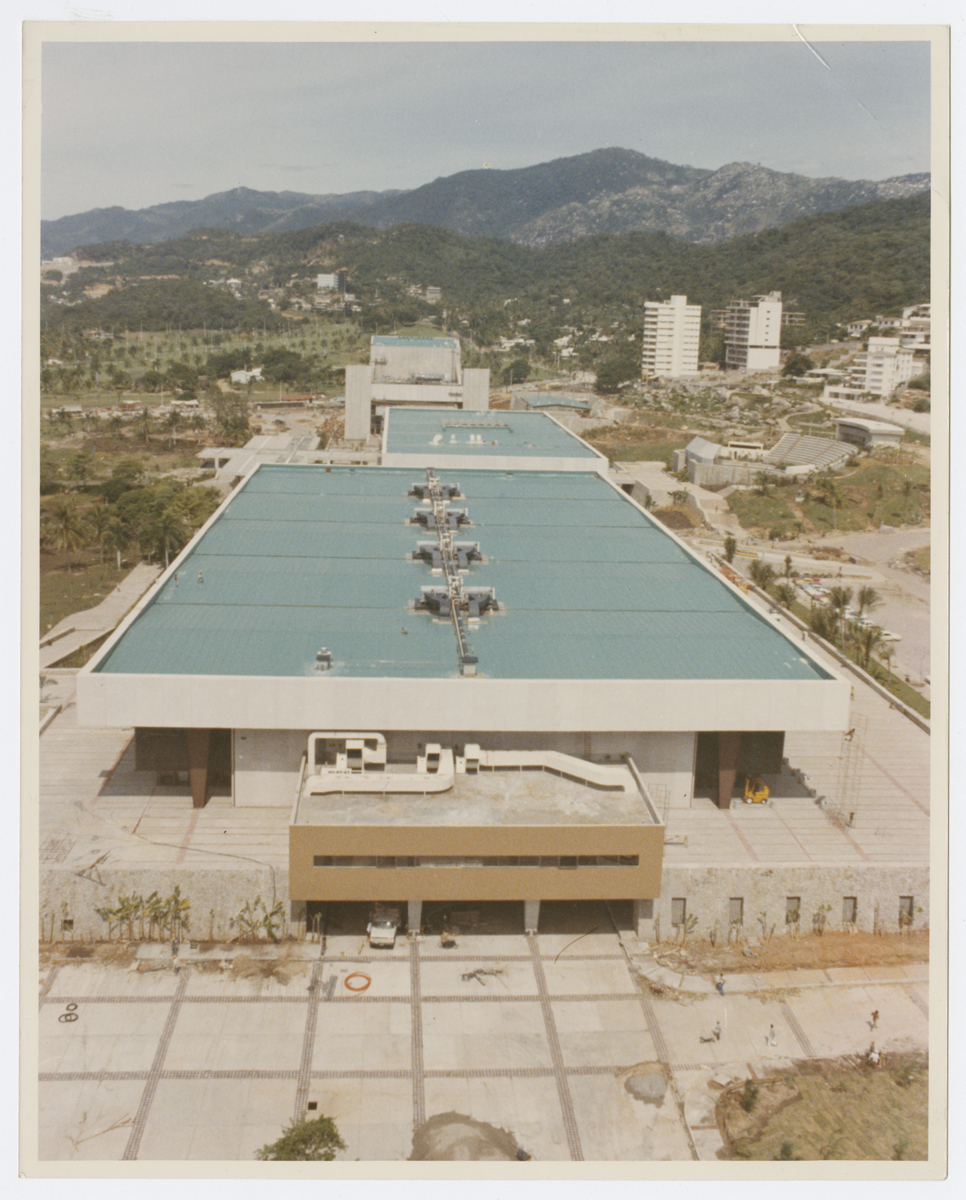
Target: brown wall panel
307 882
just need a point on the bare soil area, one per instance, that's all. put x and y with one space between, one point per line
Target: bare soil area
786 952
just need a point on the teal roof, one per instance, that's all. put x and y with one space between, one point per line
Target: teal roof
508 434
589 587
389 340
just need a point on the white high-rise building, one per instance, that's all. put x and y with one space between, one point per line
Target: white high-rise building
753 333
672 330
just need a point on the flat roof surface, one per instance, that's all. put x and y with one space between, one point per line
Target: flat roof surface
456 431
487 799
588 586
435 342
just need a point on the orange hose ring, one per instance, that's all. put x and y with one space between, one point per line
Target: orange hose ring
357 975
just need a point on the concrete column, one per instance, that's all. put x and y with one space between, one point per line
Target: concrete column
198 740
531 915
643 918
358 401
728 746
414 915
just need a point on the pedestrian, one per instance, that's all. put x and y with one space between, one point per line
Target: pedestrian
772 1038
875 1018
717 1031
719 984
174 947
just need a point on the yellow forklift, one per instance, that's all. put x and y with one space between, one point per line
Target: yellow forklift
756 792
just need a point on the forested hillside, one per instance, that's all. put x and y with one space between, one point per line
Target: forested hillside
835 267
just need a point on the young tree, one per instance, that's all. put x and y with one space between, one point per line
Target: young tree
730 548
762 574
306 1139
785 595
797 364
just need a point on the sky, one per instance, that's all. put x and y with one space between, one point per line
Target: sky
142 123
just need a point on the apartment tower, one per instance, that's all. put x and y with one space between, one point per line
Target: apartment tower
672 330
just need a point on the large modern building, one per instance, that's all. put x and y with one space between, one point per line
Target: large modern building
752 330
460 685
424 371
672 331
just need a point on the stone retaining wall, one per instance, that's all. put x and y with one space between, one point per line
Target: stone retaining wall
708 891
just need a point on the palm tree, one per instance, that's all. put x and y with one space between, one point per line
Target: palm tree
822 622
65 528
144 422
116 538
868 639
838 599
99 518
788 566
170 530
868 599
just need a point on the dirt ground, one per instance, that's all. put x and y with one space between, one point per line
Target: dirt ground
837 1109
677 518
785 953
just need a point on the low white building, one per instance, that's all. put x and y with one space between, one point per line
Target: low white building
857 431
410 371
884 366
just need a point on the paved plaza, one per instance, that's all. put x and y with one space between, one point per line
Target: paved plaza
204 1062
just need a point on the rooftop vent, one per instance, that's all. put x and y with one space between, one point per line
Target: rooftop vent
425 490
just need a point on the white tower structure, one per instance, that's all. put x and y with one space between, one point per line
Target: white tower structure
672 330
753 333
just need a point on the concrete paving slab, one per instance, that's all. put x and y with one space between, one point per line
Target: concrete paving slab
87 1044
697 985
589 977
613 1125
606 1049
102 1115
387 978
445 978
577 1016
847 974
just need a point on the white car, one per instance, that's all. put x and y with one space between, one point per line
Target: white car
382 929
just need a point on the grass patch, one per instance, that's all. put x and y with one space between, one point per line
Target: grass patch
853 1112
635 443
848 517
64 591
768 511
921 558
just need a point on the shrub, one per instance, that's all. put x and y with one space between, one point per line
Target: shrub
304 1140
749 1096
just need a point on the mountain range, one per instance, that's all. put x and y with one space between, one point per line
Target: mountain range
604 191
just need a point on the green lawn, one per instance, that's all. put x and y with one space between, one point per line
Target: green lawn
769 511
